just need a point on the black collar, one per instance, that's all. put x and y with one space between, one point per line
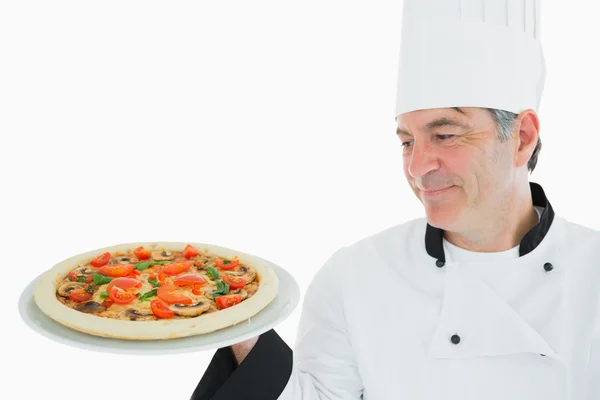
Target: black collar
434 236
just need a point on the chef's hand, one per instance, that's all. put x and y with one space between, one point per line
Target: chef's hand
241 350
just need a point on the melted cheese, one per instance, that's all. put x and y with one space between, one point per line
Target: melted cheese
143 307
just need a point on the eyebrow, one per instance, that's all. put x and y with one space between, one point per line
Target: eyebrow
437 123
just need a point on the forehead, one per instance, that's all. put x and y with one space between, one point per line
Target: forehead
421 118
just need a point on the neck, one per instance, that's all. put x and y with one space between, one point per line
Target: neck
515 218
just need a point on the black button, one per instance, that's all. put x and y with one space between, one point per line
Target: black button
543 355
548 267
439 263
455 339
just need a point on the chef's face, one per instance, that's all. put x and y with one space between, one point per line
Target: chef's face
455 164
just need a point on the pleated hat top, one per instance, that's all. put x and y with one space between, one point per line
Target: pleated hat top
470 53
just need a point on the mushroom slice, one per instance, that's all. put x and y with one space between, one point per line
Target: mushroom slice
251 288
242 271
162 255
134 314
138 311
90 307
209 293
213 308
208 289
243 294
85 270
123 260
204 260
68 287
191 310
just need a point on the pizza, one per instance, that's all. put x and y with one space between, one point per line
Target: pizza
158 290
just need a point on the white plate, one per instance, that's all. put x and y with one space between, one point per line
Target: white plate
276 312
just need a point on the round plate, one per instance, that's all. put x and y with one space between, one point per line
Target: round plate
276 312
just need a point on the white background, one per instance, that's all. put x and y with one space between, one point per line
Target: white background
263 126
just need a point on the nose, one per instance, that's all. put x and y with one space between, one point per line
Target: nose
421 160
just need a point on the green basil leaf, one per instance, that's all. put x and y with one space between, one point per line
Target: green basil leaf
91 289
81 278
225 288
146 264
103 295
226 262
222 289
137 295
153 282
100 279
146 296
213 273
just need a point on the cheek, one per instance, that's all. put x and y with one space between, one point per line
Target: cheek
407 175
497 164
459 161
405 163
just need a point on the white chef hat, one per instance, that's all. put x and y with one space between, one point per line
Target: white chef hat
470 53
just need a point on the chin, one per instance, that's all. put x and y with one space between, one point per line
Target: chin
443 217
444 211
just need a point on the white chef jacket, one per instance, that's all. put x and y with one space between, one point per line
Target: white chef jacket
393 317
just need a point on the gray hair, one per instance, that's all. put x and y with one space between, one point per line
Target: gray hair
504 124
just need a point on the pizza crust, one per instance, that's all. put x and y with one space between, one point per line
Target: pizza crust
45 298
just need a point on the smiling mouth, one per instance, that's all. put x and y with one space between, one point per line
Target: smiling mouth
433 192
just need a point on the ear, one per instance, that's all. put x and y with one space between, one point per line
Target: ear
528 126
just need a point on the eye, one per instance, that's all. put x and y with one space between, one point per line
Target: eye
406 144
444 137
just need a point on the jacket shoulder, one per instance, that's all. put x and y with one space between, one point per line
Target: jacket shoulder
575 235
397 236
397 247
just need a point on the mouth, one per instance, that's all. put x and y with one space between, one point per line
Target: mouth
436 191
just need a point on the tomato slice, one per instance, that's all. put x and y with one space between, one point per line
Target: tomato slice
141 253
120 296
228 301
101 260
124 283
177 267
160 309
79 295
227 266
234 282
172 295
116 270
190 251
188 279
134 274
107 303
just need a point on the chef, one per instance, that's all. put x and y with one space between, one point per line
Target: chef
490 296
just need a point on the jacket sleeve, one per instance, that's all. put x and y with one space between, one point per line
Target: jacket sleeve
262 375
323 365
324 360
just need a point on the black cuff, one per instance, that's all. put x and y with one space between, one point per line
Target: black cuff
262 375
219 370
